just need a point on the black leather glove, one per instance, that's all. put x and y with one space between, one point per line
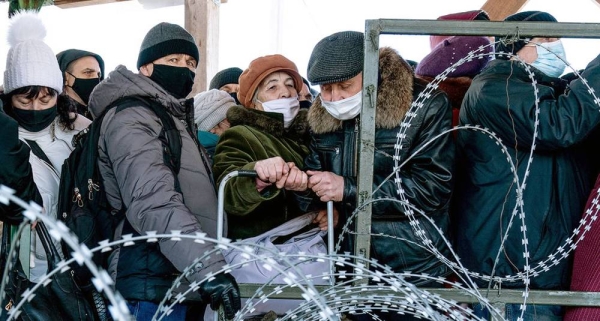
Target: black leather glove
222 290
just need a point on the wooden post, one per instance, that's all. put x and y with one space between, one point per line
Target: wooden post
500 9
202 21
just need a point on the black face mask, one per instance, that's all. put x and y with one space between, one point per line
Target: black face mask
178 81
84 87
305 104
34 120
234 96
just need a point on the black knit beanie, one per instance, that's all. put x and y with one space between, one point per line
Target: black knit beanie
165 39
66 57
518 45
224 77
336 58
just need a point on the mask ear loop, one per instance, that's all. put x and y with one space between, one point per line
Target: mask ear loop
67 82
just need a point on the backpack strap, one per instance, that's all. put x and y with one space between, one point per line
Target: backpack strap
193 132
37 151
169 134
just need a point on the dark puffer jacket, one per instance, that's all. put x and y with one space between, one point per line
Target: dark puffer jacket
502 99
15 171
136 177
426 178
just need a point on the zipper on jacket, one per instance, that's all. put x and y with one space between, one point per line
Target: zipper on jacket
51 167
336 150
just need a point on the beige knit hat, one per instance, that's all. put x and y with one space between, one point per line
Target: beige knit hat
210 108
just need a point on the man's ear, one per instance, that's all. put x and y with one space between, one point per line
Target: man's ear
146 69
66 78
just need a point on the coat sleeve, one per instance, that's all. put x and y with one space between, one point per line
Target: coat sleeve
147 186
312 161
563 121
427 178
15 171
307 200
238 150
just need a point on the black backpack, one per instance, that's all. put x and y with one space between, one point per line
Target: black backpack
82 203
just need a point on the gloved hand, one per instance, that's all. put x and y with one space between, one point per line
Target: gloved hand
223 289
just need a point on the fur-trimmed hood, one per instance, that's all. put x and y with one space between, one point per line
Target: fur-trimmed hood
394 96
271 123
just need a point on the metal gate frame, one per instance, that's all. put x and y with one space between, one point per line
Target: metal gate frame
373 30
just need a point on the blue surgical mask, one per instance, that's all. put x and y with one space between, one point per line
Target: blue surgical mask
548 60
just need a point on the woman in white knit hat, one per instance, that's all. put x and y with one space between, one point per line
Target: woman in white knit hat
32 84
210 115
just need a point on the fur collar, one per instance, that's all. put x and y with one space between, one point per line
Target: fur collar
394 96
271 123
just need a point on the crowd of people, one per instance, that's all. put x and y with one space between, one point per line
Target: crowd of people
303 145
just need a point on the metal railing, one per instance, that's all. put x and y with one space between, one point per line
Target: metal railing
373 30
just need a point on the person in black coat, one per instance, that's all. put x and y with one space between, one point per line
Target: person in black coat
336 65
15 171
555 133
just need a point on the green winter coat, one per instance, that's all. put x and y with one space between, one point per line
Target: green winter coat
256 135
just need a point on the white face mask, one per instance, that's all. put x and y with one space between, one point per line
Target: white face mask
344 109
289 107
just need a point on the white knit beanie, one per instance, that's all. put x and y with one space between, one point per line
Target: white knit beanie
210 108
30 62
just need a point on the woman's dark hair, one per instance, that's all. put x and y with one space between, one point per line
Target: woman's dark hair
63 105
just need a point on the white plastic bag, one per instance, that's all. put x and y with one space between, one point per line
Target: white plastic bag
257 271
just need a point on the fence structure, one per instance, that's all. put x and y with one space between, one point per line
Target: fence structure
373 30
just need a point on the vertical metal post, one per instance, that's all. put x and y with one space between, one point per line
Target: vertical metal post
330 242
367 139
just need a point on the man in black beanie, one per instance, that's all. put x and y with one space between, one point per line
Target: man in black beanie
228 81
336 65
82 72
139 176
512 46
540 182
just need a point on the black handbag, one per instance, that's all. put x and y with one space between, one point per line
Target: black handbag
62 299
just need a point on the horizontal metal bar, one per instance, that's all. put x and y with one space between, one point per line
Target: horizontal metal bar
548 297
484 28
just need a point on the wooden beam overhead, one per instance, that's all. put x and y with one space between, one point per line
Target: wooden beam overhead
67 4
500 9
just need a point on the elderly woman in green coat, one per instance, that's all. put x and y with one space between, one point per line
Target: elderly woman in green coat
268 134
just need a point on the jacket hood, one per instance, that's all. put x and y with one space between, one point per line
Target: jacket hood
122 83
271 123
394 96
